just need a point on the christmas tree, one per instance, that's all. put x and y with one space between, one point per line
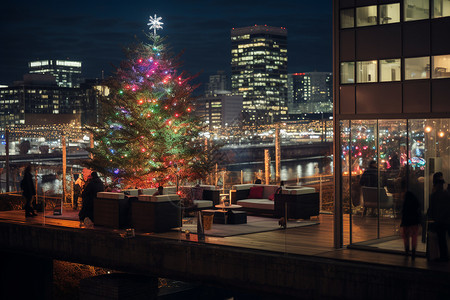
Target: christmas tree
148 134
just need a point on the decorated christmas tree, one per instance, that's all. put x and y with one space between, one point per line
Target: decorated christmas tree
148 134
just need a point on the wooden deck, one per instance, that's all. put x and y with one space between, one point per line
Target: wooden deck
314 240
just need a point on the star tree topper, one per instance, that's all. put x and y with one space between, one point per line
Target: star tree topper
155 23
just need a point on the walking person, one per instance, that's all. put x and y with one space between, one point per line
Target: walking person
29 191
439 212
411 218
92 187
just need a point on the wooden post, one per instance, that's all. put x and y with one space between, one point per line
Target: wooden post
216 177
72 184
91 140
242 177
267 165
64 165
223 182
7 157
277 154
36 197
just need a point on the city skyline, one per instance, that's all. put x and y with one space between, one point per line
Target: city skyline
95 33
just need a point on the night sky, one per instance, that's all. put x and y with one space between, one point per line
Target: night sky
96 31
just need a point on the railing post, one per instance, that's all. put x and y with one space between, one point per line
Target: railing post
320 192
7 157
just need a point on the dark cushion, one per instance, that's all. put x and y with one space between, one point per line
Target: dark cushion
256 192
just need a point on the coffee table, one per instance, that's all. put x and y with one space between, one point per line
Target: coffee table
227 207
221 216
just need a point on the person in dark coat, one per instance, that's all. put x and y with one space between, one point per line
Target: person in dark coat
439 212
29 191
411 219
160 191
370 176
93 186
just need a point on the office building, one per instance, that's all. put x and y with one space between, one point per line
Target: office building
219 111
259 72
391 90
218 84
39 94
67 73
310 93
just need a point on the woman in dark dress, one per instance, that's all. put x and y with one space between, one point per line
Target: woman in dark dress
29 191
411 217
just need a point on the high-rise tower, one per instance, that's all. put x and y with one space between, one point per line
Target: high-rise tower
67 73
259 72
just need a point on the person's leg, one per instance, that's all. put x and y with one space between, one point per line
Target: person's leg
29 211
442 240
405 237
414 233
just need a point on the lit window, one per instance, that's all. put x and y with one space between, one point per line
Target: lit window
366 16
441 66
366 71
441 8
416 10
347 18
389 13
390 70
417 68
347 72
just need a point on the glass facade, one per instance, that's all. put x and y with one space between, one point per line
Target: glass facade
441 66
347 72
366 71
417 68
366 16
347 18
377 157
389 13
390 70
441 8
416 10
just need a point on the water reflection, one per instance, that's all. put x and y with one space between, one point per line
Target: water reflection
290 169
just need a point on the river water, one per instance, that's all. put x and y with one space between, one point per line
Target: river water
291 169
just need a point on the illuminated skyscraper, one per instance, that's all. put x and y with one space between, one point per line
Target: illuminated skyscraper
259 72
310 92
67 73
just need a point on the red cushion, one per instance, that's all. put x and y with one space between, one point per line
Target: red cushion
272 197
256 192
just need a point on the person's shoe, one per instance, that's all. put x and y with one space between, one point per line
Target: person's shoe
28 214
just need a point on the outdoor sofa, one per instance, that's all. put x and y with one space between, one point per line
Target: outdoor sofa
298 202
138 209
200 196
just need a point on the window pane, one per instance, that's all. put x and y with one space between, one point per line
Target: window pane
366 16
417 68
366 71
390 70
441 8
441 66
347 18
390 13
416 10
348 72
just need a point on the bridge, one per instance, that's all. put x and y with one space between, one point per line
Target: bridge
297 263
